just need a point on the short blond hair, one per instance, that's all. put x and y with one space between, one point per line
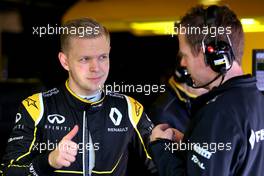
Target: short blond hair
92 28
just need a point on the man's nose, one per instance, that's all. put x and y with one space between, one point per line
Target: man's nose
94 65
183 63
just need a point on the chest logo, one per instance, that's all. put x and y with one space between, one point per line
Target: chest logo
59 119
116 116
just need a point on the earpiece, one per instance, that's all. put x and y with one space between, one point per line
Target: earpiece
181 74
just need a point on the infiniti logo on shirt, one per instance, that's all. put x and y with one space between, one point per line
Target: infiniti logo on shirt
59 119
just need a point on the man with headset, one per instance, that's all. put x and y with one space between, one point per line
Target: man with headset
226 134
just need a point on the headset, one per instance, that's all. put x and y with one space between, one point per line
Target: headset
218 54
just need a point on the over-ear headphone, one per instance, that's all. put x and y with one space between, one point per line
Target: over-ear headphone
217 54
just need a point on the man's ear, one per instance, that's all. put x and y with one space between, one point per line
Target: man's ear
63 60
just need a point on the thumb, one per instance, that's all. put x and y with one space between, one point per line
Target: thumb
72 133
168 134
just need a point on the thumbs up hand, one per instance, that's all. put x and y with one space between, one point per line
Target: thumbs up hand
64 155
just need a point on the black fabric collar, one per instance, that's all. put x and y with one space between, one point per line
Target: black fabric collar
235 82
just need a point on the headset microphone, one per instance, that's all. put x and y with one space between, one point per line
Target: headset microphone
190 82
